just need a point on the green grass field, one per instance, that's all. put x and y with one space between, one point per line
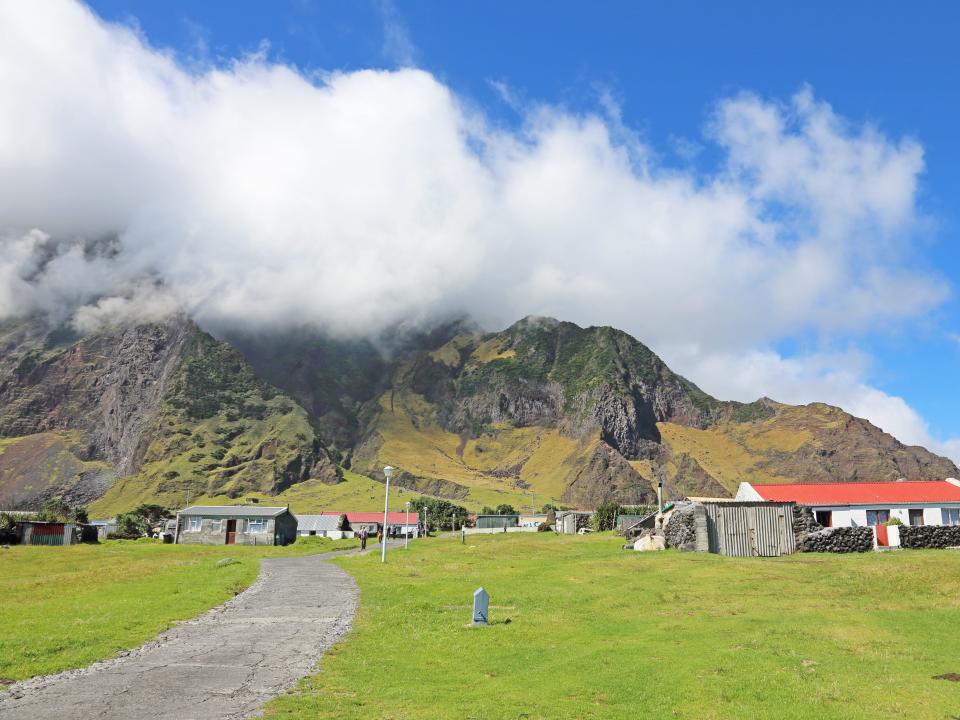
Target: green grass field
63 608
582 629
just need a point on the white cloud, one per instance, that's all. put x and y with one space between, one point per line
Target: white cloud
258 195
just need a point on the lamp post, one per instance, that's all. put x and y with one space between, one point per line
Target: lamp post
406 528
387 472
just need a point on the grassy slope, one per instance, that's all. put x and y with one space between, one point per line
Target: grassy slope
356 493
414 441
597 632
734 452
63 608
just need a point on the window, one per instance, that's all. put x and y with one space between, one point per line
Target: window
916 516
256 526
877 517
216 525
194 524
951 516
824 518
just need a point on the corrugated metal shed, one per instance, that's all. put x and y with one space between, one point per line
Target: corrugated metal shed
320 523
750 529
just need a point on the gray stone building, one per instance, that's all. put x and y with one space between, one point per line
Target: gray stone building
236 524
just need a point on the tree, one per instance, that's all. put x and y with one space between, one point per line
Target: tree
440 514
548 507
130 526
606 515
504 509
59 510
152 513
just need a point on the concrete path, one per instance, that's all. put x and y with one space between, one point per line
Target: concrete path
225 664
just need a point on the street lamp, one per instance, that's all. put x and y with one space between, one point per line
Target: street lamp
387 472
406 528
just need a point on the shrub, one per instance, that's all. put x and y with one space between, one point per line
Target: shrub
893 521
130 526
606 515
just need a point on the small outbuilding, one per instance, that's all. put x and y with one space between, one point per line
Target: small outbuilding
336 527
487 522
235 524
570 521
36 532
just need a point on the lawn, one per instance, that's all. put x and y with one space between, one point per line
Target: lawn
63 608
582 629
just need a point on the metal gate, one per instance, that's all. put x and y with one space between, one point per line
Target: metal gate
750 529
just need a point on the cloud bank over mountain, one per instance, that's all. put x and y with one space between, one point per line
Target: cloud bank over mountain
257 194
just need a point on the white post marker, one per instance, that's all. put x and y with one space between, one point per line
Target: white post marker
406 528
387 472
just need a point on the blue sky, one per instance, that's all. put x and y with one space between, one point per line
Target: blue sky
657 73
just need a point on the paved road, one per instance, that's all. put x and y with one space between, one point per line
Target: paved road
225 664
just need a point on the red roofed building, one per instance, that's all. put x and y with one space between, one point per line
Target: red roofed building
398 523
913 502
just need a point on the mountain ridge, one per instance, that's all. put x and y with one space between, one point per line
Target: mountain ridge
542 411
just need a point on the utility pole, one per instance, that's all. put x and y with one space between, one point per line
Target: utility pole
387 472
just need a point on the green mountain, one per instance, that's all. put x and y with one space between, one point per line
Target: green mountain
544 411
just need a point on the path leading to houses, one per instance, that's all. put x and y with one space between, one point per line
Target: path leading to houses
225 664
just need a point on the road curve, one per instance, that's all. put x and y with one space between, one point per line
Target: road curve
223 665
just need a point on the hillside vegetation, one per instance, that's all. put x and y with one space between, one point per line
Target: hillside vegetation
542 412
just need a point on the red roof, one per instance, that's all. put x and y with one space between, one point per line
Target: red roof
862 493
393 518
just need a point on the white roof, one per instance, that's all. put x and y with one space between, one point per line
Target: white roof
318 523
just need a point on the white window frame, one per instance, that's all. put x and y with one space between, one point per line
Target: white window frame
950 516
216 525
194 524
257 526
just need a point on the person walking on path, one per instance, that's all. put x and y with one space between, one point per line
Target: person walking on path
363 539
380 535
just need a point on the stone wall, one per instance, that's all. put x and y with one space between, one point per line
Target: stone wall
804 521
686 529
837 540
929 536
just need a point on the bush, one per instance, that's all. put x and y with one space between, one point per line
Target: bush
440 514
606 515
130 526
893 521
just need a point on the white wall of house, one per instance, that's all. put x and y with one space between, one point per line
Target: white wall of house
856 515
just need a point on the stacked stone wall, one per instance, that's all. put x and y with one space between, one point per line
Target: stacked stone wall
837 540
929 536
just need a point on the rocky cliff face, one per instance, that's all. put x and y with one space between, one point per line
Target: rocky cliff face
164 406
108 388
615 419
544 411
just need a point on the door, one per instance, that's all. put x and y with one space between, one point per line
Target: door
882 539
231 532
